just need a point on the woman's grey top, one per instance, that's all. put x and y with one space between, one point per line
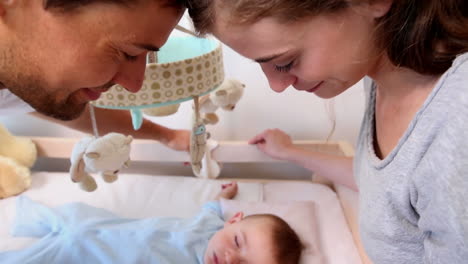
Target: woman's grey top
414 202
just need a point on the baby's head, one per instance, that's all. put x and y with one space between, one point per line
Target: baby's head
256 239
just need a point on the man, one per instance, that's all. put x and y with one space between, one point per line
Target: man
57 55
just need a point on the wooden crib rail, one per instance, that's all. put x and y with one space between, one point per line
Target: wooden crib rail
227 152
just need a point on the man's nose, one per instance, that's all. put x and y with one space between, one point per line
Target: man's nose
131 74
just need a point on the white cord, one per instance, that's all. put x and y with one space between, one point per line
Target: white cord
188 31
93 121
152 57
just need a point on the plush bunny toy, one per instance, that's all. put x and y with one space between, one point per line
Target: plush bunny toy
105 155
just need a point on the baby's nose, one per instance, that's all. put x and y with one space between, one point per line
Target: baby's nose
231 257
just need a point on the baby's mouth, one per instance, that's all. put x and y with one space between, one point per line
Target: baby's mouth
215 258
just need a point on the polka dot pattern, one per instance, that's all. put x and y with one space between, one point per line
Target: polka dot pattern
170 82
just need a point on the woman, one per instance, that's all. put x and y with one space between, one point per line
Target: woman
411 163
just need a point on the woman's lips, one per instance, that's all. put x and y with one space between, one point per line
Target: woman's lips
315 88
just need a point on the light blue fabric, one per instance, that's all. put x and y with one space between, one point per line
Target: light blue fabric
182 48
79 233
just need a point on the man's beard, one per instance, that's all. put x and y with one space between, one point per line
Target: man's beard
32 92
69 108
22 78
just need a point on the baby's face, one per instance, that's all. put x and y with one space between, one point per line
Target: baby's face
246 241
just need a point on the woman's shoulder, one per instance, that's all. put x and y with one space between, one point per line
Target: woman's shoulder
444 117
458 73
461 60
453 85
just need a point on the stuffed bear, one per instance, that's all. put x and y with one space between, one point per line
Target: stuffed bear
226 97
17 156
105 155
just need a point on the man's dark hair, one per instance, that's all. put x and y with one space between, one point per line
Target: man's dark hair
68 5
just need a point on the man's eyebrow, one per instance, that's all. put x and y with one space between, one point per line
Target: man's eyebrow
147 47
269 58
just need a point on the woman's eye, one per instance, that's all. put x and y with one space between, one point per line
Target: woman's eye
237 241
284 68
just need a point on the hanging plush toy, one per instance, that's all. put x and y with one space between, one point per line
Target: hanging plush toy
225 97
104 155
210 168
198 138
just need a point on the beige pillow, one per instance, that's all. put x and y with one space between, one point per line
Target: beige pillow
300 215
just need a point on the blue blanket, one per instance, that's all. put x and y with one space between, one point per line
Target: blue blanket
79 233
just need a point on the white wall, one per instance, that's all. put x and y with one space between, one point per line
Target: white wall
302 115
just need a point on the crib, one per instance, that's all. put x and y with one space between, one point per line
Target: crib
159 184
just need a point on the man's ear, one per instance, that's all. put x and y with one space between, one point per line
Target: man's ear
236 218
5 4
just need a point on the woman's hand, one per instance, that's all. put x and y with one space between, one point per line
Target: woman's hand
274 143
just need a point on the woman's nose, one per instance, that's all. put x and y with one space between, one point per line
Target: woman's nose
131 74
279 81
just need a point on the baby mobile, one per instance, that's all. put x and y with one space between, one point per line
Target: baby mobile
186 68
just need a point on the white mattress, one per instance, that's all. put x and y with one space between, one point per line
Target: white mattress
140 196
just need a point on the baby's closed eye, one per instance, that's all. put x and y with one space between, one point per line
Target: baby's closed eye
236 241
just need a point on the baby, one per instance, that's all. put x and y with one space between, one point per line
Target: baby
79 233
253 239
